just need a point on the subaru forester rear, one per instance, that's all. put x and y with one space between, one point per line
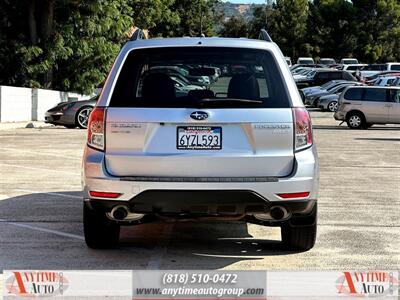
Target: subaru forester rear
163 144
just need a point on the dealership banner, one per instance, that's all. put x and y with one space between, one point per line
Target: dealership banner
199 284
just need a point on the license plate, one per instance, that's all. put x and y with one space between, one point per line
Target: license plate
199 138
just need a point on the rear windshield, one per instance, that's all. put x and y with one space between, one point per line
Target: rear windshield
188 77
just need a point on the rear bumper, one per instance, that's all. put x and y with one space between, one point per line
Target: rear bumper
339 116
202 203
213 195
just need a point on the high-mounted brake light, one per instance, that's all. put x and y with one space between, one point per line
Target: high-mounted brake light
96 130
302 129
294 195
104 194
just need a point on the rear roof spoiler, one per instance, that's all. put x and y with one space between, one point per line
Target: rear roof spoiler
138 35
264 36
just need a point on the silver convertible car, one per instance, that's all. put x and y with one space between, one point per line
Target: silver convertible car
71 114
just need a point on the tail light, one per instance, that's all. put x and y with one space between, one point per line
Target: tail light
104 194
96 128
302 129
294 195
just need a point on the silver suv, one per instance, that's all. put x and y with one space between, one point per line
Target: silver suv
240 148
363 106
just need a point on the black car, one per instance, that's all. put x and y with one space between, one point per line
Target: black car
71 114
319 77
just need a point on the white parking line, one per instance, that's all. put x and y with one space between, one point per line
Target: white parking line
39 153
63 234
49 193
38 169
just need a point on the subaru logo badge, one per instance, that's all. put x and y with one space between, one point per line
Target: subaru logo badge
199 115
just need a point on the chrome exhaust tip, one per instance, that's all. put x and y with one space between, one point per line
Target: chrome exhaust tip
119 212
276 213
122 213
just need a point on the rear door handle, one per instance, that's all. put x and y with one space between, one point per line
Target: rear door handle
388 105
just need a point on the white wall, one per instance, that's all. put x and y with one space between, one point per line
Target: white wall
15 104
44 100
24 104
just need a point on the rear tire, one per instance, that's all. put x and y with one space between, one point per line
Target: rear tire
355 120
300 232
99 231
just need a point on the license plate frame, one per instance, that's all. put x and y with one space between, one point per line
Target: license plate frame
195 133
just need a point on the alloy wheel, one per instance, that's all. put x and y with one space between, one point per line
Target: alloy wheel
83 117
355 121
333 106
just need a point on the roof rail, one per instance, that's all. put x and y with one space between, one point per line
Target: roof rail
264 36
138 35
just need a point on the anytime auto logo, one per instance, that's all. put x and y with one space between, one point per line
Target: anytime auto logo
36 283
367 284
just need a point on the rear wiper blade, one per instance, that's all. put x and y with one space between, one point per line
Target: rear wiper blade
229 100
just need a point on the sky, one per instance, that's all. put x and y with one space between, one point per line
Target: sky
246 1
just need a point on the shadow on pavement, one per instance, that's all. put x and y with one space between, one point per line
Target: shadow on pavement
188 245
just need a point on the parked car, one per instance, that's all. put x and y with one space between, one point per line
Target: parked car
327 61
152 154
370 79
71 114
349 61
294 67
352 68
321 76
305 61
363 106
328 102
385 80
288 61
310 91
313 89
178 70
312 100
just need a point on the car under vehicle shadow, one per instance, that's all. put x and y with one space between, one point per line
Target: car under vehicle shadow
44 231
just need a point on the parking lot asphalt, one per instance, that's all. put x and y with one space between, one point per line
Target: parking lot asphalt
358 225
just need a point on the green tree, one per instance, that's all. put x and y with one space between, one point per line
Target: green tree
234 27
195 17
332 28
289 26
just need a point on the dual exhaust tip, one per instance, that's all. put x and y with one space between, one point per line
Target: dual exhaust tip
122 213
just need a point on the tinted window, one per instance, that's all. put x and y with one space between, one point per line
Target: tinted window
335 75
395 96
395 67
323 75
353 94
378 95
178 77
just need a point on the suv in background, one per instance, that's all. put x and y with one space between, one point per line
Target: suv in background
240 150
327 61
349 61
305 61
321 76
362 106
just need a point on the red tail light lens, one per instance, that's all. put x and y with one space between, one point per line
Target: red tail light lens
96 129
303 138
294 195
104 194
